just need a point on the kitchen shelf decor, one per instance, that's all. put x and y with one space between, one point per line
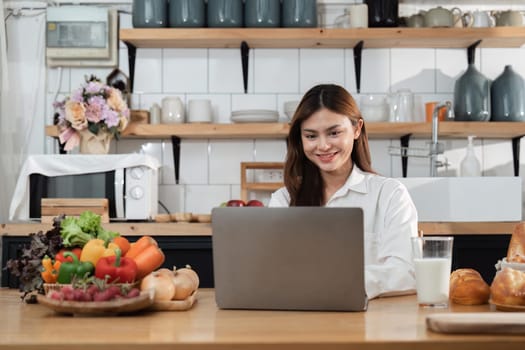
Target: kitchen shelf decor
356 38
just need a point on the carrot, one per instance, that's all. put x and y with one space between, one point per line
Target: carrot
122 243
141 244
148 260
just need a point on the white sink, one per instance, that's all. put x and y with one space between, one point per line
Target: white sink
445 199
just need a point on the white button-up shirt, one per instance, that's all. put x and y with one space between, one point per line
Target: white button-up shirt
390 220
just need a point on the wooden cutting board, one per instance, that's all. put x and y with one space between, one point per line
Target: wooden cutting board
479 322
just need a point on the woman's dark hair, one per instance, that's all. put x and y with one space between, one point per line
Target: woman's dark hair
302 178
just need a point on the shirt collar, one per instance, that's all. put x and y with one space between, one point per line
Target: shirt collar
355 182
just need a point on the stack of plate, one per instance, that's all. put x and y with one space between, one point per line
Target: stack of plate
255 116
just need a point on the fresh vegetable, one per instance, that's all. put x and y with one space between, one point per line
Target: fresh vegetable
78 231
69 270
98 290
191 273
235 203
185 282
94 249
161 283
254 203
116 268
122 243
50 269
27 265
137 247
148 260
60 255
72 234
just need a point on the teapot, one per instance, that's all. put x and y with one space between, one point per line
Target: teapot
508 18
441 17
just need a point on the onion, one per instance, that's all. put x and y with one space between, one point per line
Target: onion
184 286
162 285
192 274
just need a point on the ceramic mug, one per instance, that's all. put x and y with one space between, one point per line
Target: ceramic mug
199 111
508 19
187 13
478 19
358 15
262 13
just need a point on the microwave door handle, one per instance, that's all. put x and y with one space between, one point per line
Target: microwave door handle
119 193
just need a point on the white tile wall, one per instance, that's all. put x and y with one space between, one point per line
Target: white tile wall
210 169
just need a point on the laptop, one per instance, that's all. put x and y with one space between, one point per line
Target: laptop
294 258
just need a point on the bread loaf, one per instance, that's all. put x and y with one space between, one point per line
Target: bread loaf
467 287
516 249
508 287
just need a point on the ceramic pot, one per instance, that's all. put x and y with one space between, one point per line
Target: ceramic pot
299 13
383 13
187 13
262 13
508 96
440 17
225 13
94 144
472 96
508 19
150 13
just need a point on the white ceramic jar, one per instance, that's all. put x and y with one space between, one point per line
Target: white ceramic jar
172 110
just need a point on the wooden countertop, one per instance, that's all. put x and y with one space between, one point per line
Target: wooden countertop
204 229
390 323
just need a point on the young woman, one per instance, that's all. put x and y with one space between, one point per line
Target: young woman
328 164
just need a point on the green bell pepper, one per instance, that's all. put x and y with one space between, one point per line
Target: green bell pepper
76 268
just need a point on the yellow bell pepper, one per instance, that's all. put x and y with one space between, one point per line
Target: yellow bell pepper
94 249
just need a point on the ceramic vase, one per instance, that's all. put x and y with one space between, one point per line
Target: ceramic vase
94 144
508 97
472 96
149 13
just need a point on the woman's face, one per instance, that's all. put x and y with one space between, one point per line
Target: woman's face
328 140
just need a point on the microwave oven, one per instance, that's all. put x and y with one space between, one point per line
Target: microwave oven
128 181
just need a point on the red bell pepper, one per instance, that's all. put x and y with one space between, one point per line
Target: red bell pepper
60 255
116 268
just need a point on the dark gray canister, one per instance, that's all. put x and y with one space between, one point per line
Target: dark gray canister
225 13
187 13
299 13
508 97
472 96
150 13
262 13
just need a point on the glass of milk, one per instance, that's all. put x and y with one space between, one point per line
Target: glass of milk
432 261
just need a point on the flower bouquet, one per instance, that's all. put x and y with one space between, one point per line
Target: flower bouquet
91 117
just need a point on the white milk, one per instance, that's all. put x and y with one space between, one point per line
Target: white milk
432 280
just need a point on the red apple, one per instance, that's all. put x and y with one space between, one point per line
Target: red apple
235 203
254 203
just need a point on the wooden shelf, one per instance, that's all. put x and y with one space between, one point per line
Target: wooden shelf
489 130
323 38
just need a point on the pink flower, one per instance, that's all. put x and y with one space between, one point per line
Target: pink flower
75 114
95 106
115 100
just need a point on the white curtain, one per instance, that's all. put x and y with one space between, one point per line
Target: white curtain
22 103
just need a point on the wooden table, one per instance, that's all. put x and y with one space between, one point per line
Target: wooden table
390 323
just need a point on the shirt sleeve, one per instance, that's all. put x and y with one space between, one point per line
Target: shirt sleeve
394 274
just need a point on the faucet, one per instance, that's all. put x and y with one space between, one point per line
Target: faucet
435 147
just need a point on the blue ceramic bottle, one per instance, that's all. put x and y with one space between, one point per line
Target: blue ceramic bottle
150 13
508 97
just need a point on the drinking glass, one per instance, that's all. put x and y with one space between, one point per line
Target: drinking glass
432 261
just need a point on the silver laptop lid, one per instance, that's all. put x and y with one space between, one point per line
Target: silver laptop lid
297 258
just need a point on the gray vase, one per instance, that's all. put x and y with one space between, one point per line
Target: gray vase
299 13
225 13
472 96
508 97
262 13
